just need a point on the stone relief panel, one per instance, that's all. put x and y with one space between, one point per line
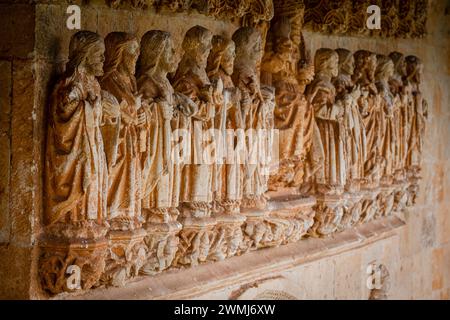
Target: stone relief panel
245 143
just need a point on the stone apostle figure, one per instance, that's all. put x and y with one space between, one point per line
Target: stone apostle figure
166 111
192 80
419 112
76 172
371 112
401 89
384 72
122 141
292 115
255 113
355 143
228 120
329 115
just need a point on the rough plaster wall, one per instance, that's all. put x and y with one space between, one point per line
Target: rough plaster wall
34 49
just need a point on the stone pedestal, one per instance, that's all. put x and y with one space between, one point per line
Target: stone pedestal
64 250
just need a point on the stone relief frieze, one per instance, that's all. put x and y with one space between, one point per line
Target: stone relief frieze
247 142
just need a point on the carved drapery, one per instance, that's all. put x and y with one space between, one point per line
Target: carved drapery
122 198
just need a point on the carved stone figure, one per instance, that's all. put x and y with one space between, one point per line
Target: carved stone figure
372 114
402 117
329 115
121 130
419 111
227 178
418 108
389 105
192 80
255 112
166 111
76 171
355 137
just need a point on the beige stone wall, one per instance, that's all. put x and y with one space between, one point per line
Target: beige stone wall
33 49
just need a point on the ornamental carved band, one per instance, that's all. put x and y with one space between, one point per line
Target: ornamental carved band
120 203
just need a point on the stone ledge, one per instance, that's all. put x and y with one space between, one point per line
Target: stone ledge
191 282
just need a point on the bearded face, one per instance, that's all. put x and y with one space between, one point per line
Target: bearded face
228 59
130 57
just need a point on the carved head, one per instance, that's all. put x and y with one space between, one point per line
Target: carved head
326 61
222 55
365 66
248 45
197 44
122 52
385 68
346 61
399 63
414 69
86 53
157 50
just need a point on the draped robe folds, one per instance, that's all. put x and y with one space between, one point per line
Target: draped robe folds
124 191
390 108
322 97
228 176
373 117
162 173
355 137
76 176
255 181
197 175
402 120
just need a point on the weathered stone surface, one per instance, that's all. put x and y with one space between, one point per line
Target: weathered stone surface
18 30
